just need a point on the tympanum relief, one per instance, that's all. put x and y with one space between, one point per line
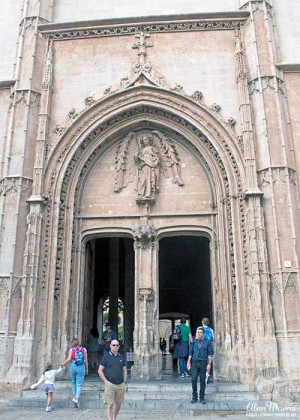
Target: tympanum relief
140 158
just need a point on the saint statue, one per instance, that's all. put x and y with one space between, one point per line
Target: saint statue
147 161
141 157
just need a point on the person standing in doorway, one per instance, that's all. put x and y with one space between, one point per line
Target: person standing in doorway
78 368
107 338
113 373
200 358
182 348
94 349
208 331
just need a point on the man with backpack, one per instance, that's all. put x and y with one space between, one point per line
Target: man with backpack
184 337
208 331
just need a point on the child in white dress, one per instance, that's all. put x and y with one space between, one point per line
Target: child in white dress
48 378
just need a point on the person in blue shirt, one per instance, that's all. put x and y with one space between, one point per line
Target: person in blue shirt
200 358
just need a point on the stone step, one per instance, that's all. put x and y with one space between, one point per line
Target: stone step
159 405
176 385
146 395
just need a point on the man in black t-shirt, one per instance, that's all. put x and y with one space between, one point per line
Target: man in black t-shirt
113 373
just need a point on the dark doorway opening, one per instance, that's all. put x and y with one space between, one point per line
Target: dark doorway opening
109 288
185 278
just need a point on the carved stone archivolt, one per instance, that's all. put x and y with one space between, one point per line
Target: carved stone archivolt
169 117
140 158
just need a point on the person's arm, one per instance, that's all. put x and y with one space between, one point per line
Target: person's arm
125 374
210 357
190 338
58 370
68 359
101 374
39 382
188 365
86 362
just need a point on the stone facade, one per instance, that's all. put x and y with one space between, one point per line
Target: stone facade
145 128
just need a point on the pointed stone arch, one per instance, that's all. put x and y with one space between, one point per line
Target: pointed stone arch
101 126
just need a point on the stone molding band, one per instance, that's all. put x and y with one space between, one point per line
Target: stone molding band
119 27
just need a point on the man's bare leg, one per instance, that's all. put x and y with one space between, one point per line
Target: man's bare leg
109 412
116 411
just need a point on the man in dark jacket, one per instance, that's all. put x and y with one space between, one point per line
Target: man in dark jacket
200 356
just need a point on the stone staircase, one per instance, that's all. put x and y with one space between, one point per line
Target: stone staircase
171 393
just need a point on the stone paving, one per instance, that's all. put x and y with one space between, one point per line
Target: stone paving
70 414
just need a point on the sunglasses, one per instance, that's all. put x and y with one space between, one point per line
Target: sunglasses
115 345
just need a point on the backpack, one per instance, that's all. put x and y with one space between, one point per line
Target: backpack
208 334
78 356
177 334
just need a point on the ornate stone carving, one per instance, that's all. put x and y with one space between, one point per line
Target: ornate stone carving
58 129
215 108
47 80
13 184
231 122
264 179
169 116
89 101
241 143
25 96
290 284
278 174
142 45
197 96
292 176
145 237
132 29
139 157
146 293
72 114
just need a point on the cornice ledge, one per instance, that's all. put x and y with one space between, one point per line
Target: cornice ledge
142 22
289 67
6 84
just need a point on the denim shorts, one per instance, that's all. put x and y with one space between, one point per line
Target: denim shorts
49 388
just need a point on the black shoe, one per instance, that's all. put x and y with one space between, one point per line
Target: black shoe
202 401
194 400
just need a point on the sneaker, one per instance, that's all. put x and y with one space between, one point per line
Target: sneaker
187 375
181 375
75 401
194 400
202 401
48 409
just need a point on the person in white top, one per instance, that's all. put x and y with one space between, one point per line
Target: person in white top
48 378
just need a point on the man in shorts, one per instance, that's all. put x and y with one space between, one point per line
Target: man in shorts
113 373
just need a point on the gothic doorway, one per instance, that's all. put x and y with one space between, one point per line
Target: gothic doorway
109 288
185 278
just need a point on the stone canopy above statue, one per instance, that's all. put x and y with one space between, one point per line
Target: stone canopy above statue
140 158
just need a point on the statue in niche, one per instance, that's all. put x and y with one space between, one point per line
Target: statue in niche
141 157
147 161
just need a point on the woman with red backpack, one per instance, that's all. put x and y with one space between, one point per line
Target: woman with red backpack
78 368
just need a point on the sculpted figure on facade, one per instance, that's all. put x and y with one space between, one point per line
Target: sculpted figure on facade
141 157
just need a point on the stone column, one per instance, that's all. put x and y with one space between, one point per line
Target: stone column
275 163
23 169
147 362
